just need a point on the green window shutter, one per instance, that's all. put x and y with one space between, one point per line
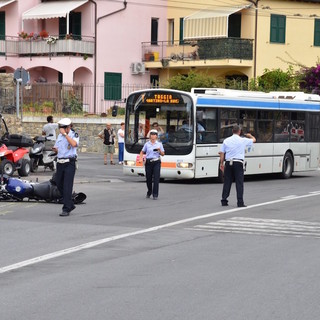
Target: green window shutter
75 25
277 29
154 31
112 86
316 41
282 29
62 28
181 32
2 26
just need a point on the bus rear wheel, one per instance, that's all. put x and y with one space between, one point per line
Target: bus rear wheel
287 166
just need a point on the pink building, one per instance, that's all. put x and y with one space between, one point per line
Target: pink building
92 43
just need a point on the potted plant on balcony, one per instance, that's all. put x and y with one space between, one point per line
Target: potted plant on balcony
43 34
23 35
148 56
52 40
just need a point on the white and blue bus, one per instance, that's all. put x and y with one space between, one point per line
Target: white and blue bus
193 126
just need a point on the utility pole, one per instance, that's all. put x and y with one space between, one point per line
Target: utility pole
255 2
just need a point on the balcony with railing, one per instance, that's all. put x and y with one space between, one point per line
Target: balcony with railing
167 53
53 46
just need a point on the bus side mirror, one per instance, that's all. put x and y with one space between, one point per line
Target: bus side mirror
114 110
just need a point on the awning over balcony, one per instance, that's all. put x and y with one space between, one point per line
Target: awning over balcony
211 23
5 2
52 9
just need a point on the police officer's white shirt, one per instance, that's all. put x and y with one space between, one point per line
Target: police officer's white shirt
65 150
234 147
50 130
149 147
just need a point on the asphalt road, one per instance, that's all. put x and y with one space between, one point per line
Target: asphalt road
121 256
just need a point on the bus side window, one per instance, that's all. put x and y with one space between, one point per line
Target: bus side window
206 125
264 131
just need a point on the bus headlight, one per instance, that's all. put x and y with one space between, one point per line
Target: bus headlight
184 165
130 163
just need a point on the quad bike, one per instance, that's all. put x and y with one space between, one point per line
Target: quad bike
14 152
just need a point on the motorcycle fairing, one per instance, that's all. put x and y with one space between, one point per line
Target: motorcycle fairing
19 188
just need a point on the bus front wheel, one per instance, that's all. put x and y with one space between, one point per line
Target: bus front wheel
287 166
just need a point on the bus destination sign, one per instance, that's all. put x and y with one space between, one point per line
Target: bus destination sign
162 98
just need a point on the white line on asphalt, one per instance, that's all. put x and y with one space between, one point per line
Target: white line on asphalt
3 213
290 196
92 244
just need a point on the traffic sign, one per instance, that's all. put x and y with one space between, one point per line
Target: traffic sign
22 74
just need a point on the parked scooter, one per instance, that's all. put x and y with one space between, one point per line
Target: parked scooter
14 189
41 154
13 151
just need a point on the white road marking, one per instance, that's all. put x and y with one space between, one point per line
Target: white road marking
3 213
92 244
288 197
263 227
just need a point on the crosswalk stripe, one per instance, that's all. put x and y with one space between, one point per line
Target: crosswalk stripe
263 227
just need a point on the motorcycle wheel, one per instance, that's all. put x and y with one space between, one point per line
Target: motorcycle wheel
51 166
33 165
7 167
25 168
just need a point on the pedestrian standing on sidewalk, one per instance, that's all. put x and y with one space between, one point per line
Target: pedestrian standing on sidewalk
49 130
232 154
121 142
108 135
153 149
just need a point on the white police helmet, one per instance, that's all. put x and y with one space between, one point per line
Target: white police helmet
65 122
154 131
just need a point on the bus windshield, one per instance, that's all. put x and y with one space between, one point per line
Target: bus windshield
170 113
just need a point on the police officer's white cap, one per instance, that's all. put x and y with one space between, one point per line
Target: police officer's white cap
154 131
64 122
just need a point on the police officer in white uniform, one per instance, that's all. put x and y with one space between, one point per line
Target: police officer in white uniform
66 147
153 149
232 152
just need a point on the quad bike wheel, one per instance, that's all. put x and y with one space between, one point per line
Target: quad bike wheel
25 168
7 167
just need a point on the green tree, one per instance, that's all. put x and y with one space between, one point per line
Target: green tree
276 80
193 80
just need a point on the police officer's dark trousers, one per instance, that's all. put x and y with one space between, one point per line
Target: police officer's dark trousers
64 179
153 175
234 171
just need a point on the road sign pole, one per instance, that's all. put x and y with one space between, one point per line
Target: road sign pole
18 95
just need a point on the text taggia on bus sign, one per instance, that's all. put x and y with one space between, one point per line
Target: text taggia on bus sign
162 98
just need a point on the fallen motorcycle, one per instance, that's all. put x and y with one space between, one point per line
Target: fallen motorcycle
14 189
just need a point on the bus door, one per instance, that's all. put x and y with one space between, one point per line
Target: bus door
207 148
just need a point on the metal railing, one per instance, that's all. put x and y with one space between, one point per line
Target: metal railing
219 48
15 46
226 48
68 98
